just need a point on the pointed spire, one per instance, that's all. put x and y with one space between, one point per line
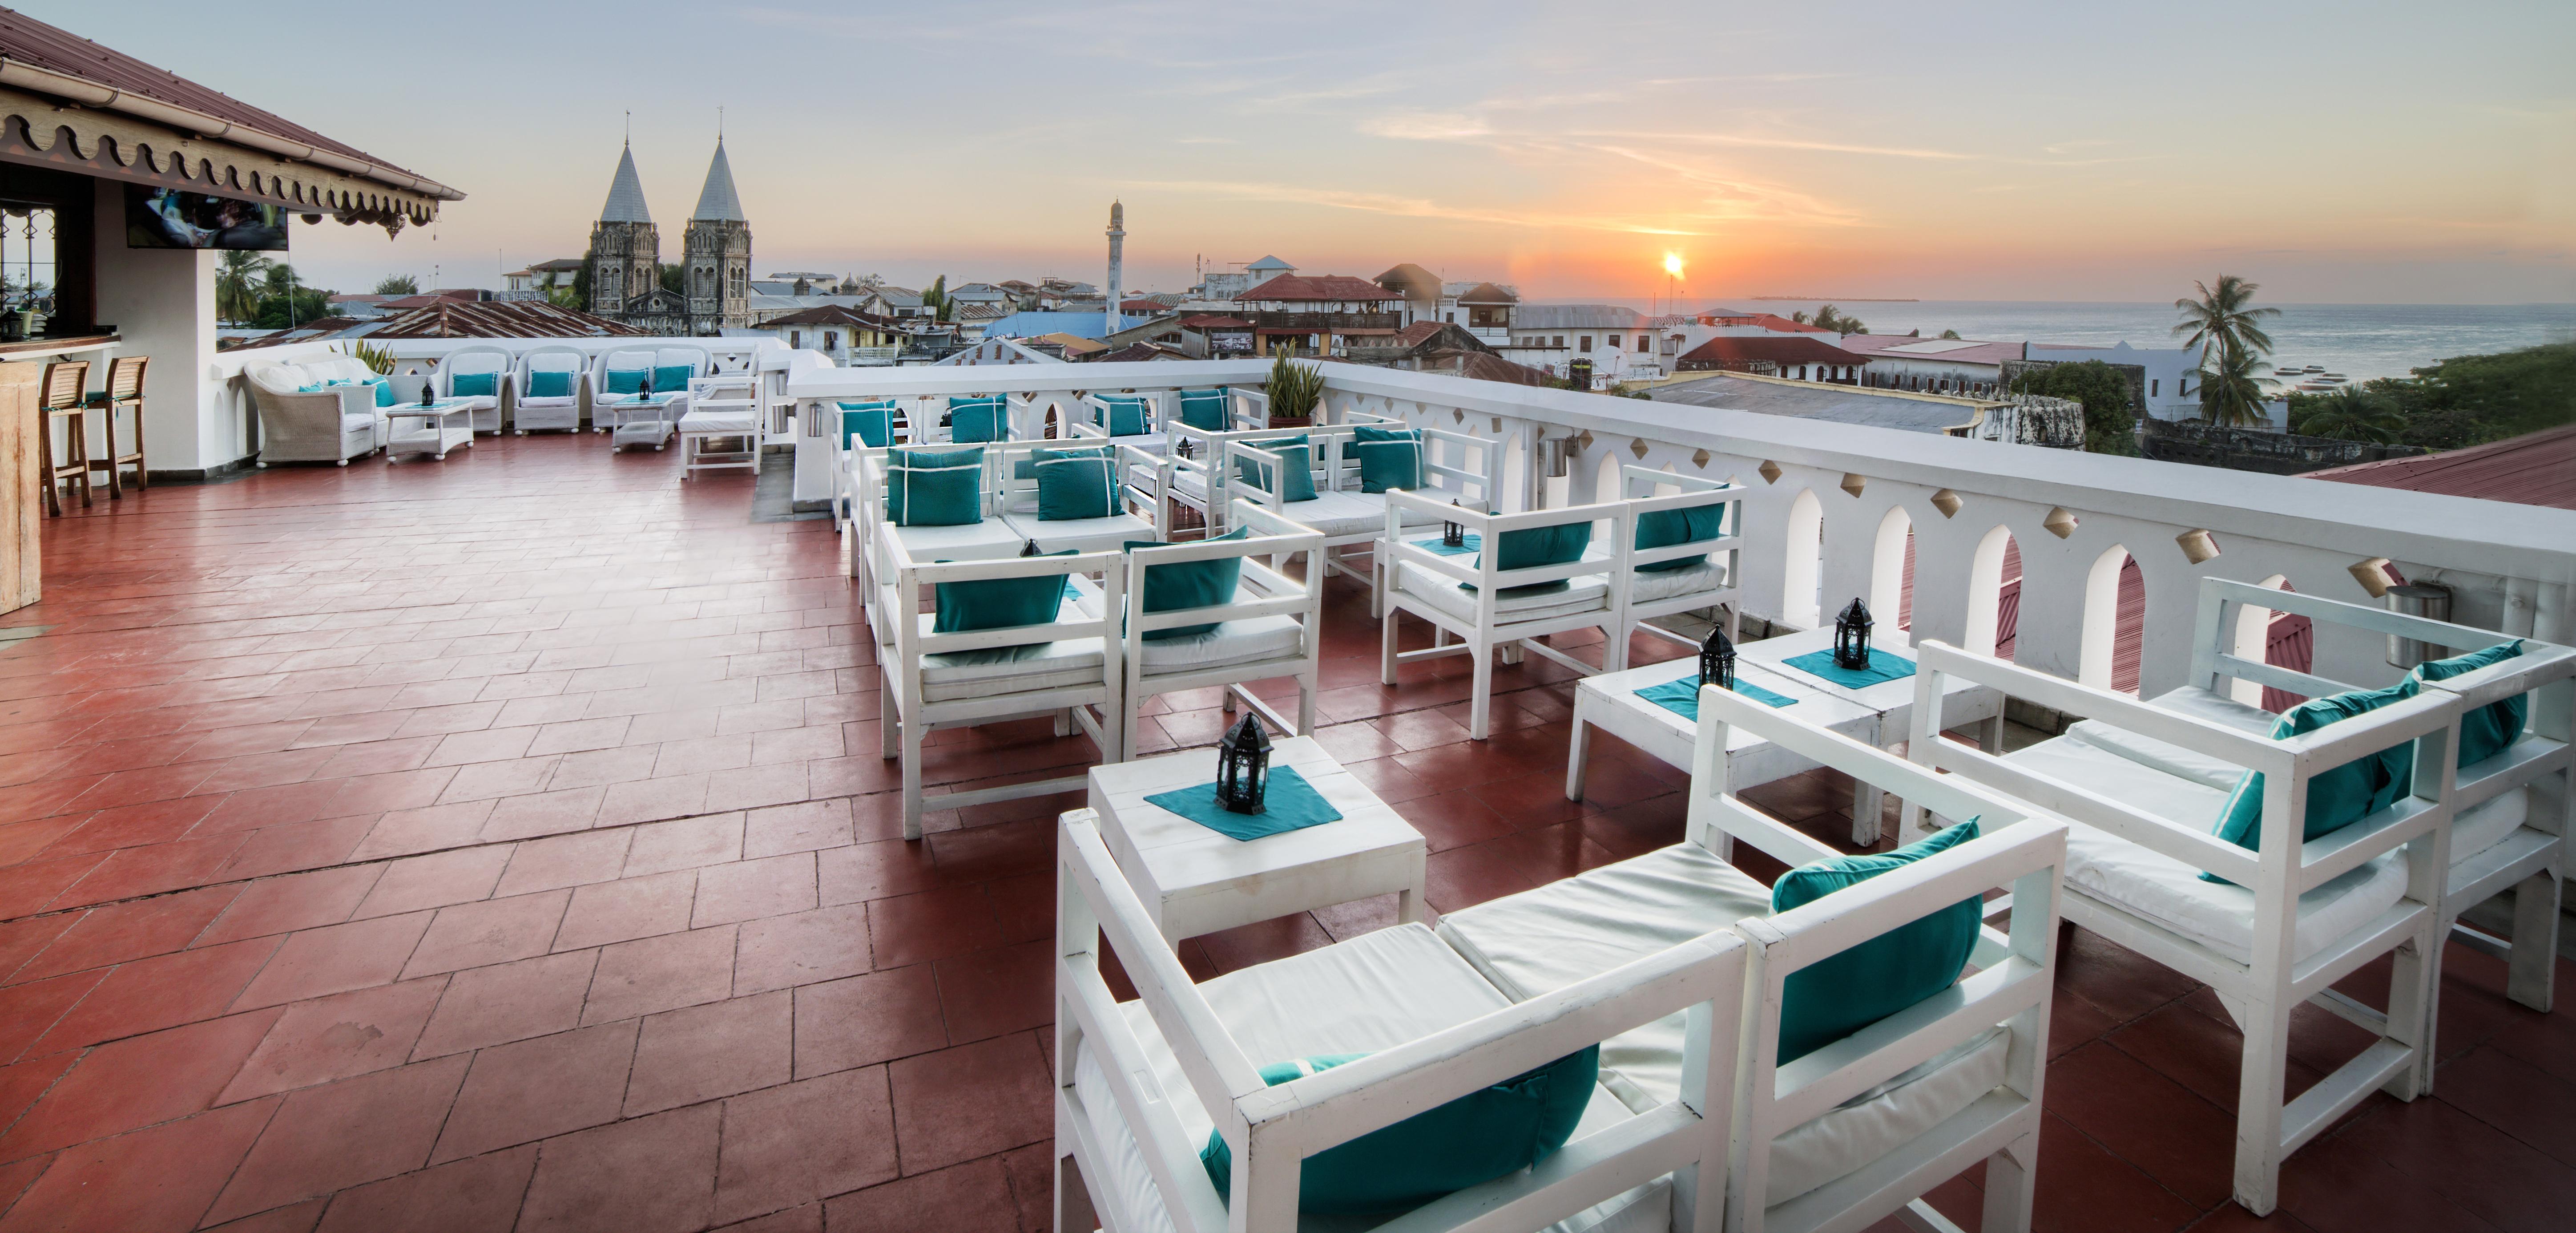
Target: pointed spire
625 194
717 202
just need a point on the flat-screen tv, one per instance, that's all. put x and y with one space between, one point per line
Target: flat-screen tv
168 218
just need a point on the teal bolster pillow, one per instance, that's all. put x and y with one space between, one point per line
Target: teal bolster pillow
1295 463
1837 996
673 378
384 390
1664 528
871 422
2337 797
544 383
1204 410
978 419
1126 416
1189 584
2490 729
1557 545
474 385
1469 1141
1389 458
935 488
627 380
1076 483
999 603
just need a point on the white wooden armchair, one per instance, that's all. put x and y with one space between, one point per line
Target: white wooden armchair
1656 588
1271 627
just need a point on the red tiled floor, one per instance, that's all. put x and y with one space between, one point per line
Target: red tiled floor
616 806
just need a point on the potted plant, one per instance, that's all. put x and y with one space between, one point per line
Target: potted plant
1295 390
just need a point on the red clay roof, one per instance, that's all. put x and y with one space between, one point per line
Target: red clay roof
1211 321
499 319
1320 287
1770 321
32 42
2533 469
1785 349
834 314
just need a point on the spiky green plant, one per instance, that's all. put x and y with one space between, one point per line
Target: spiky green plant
373 356
1295 389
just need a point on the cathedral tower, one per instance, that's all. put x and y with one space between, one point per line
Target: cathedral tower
718 248
625 250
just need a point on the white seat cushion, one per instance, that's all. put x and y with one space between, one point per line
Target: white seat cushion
1371 993
948 676
720 421
358 421
1705 576
1339 514
974 541
1186 481
2217 708
1567 931
1232 642
1589 593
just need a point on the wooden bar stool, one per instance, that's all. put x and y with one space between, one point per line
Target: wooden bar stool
60 397
124 392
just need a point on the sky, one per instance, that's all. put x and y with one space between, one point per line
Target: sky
2352 152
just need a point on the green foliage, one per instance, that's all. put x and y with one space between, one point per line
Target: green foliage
1295 389
2352 413
239 276
1831 318
2223 320
1949 333
674 279
580 286
935 300
2110 426
373 355
397 284
2231 391
2472 399
285 308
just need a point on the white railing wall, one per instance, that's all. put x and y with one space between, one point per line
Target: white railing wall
1829 503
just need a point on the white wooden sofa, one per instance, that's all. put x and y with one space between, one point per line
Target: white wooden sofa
534 412
1142 1085
1272 627
1202 485
1017 495
874 533
1860 1128
2144 784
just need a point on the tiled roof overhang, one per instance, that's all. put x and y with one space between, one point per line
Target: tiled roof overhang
62 127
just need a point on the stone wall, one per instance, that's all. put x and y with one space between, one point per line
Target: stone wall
2249 449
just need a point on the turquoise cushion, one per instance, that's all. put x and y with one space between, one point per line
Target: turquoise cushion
474 385
1835 997
308 389
627 380
2337 797
384 390
1075 483
978 419
1389 458
673 378
1664 528
1189 584
2490 729
999 603
1127 417
935 488
1294 462
544 383
1556 545
871 422
1471 1140
1204 410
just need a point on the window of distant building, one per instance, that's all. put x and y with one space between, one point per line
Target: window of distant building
1586 343
795 340
1451 318
831 340
2152 383
1560 341
1612 342
1641 342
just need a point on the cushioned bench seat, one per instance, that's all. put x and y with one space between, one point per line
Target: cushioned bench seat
951 676
1584 594
1079 534
1232 642
1373 992
974 541
721 421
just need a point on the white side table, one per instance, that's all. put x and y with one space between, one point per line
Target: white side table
443 425
1962 702
1194 880
1610 703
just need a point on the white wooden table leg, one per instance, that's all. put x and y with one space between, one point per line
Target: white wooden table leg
1577 750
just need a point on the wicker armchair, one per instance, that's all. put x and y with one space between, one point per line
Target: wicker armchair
302 419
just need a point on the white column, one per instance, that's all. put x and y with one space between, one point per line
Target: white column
162 303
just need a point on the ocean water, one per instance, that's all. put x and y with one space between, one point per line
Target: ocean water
2360 341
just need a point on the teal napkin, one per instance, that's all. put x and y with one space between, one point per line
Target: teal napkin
1472 542
1290 804
1883 666
1682 697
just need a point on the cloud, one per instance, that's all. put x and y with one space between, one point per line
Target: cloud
1426 126
1411 207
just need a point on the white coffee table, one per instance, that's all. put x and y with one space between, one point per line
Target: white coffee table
1962 702
648 422
444 425
1610 703
1194 880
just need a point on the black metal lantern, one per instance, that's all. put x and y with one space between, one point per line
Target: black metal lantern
1717 660
1851 637
427 388
645 390
1451 534
1243 767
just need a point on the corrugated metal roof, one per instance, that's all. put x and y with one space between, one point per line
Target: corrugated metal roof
1777 349
499 319
2533 469
1319 288
625 193
717 201
1841 404
1579 317
1948 350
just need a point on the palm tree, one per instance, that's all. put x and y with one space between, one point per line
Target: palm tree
238 281
2220 320
403 284
2231 392
2353 414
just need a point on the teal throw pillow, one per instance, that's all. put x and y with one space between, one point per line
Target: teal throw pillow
1204 410
1389 458
1837 996
871 422
1664 528
627 380
2490 729
384 390
1295 464
1189 584
980 419
1075 483
2337 797
1126 416
673 378
935 488
1469 1141
999 603
474 385
1557 545
309 389
544 383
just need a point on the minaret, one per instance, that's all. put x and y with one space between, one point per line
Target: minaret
718 248
1117 243
625 249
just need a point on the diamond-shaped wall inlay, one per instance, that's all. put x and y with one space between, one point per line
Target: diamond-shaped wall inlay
2059 523
1854 482
1637 449
1700 460
1947 502
2197 545
1770 471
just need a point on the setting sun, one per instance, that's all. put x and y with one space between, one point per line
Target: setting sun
1673 264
